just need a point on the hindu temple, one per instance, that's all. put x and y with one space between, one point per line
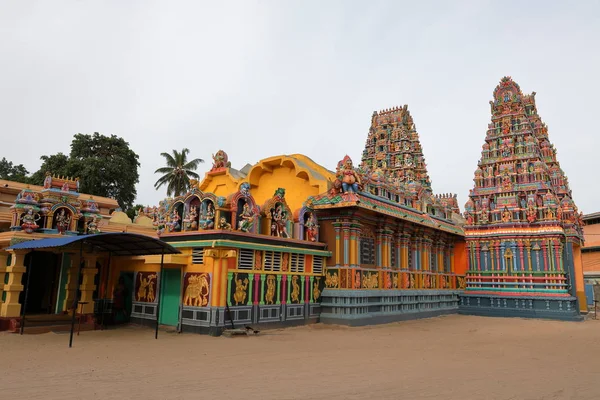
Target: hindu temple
286 241
523 230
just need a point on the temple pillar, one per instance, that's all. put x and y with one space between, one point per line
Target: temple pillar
88 286
3 262
346 237
337 228
355 231
220 274
72 280
578 278
378 248
11 306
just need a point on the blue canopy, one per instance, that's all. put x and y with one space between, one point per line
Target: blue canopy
118 244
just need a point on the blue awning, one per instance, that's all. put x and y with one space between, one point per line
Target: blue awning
118 244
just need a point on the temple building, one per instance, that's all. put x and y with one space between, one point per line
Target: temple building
285 241
398 249
29 212
591 257
523 230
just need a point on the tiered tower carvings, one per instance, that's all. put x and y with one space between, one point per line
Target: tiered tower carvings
523 230
393 145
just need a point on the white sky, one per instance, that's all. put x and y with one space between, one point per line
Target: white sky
262 78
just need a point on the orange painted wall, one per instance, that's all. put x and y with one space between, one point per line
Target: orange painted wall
577 261
461 263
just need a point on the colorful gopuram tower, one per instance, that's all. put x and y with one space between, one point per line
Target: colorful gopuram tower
523 231
393 145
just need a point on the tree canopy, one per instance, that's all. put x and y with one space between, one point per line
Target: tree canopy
105 166
12 172
177 172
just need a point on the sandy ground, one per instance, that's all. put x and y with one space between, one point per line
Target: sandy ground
452 357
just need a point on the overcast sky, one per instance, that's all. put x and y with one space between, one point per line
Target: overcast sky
262 78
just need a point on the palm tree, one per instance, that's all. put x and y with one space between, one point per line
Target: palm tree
177 173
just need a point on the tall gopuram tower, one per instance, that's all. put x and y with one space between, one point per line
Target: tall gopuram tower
523 231
393 145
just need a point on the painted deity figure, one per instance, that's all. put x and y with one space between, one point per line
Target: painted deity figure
48 181
30 221
65 187
175 222
207 217
246 219
240 290
92 226
193 218
62 222
278 222
312 229
223 224
506 215
348 176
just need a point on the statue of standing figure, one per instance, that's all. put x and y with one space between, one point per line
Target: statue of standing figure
62 222
246 219
312 229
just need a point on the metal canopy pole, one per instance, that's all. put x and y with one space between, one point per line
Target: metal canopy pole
105 290
76 300
24 310
160 288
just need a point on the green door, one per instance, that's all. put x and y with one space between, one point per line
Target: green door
170 297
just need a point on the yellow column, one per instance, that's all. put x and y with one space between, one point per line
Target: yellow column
3 260
71 285
87 287
336 227
353 247
579 282
11 306
216 278
225 255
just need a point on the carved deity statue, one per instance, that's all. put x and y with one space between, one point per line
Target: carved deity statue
312 229
62 222
279 220
240 290
207 217
92 226
30 221
295 294
270 292
220 160
246 218
48 181
348 177
223 224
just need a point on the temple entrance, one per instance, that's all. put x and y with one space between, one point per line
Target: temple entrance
43 283
170 297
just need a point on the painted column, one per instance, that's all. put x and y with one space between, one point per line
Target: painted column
87 287
352 242
346 233
11 306
545 254
477 256
398 248
71 285
378 249
3 261
337 228
521 258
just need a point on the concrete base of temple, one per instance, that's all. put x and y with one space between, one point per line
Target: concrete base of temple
370 307
488 305
213 320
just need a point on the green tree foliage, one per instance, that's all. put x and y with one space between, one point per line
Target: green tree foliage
58 164
12 172
105 165
177 173
132 210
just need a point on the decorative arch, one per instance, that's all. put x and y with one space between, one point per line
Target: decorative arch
276 207
236 202
306 217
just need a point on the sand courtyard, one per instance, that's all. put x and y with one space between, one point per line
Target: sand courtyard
451 357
